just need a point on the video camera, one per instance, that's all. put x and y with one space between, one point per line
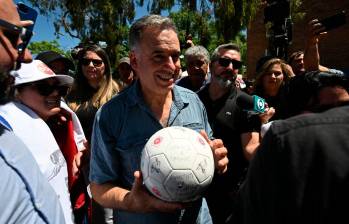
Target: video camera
277 12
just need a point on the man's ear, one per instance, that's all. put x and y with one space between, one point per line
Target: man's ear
133 60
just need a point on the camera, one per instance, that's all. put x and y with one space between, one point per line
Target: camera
27 13
334 21
277 12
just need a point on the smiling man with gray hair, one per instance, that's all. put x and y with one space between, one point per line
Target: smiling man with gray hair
152 102
197 60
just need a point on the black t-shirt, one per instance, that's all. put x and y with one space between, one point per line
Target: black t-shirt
228 122
86 116
186 83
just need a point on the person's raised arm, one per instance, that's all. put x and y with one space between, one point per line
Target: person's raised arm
311 54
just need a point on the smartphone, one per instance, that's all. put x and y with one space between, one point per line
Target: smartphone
27 13
334 21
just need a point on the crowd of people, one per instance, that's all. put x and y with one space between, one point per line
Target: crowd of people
72 131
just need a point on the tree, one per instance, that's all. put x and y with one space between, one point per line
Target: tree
95 20
193 23
40 46
232 16
211 22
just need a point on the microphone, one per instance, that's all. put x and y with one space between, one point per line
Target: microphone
252 104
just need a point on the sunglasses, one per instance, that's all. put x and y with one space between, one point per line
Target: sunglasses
95 62
225 62
45 89
13 32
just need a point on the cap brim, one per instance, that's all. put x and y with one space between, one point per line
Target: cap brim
49 57
65 79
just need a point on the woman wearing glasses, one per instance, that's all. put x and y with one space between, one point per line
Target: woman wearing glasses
92 88
93 85
36 98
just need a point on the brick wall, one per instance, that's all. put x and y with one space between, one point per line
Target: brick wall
334 47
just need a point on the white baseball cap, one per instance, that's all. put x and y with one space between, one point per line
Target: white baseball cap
36 71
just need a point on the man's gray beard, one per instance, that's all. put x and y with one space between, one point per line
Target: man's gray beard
224 83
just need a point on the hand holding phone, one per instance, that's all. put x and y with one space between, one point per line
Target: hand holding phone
334 21
27 13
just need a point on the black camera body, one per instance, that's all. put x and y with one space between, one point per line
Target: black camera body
277 12
334 21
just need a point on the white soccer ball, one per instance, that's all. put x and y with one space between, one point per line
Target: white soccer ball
177 164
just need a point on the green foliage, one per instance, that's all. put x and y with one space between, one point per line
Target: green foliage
241 41
193 23
156 6
210 22
40 46
102 20
296 12
233 16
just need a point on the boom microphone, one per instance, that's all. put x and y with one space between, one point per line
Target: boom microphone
253 104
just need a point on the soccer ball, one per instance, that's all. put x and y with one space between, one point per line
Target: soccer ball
177 164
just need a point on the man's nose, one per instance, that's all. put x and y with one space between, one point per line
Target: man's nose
230 66
172 63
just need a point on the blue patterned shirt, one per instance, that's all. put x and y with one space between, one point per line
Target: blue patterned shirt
121 129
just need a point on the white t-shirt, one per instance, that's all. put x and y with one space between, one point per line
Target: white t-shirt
37 136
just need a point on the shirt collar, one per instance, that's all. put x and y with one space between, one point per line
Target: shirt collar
136 96
179 100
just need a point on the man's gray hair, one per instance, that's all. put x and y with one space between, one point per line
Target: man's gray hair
216 53
138 27
197 52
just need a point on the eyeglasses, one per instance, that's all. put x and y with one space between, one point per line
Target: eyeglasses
95 62
225 62
45 89
13 32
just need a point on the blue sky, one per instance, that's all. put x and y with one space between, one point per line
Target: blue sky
44 29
